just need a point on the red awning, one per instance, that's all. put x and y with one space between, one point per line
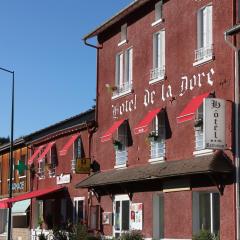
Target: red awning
46 150
72 139
30 160
143 125
108 135
34 194
189 111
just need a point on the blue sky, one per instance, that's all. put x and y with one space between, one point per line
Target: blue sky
55 72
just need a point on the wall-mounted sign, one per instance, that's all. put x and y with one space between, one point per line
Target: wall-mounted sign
106 218
63 178
136 216
214 123
83 165
18 186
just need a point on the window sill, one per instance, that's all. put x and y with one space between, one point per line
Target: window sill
203 61
157 22
156 160
22 177
160 79
120 166
203 152
123 94
122 42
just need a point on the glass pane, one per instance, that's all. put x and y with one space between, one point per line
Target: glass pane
80 211
205 211
125 215
216 213
117 215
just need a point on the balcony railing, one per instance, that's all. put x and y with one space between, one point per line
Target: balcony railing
157 149
121 89
203 53
157 73
121 157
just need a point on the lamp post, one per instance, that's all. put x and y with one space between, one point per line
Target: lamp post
11 155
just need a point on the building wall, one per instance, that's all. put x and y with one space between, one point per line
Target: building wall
63 167
180 24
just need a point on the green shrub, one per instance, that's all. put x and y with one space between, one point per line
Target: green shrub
205 235
41 236
132 235
78 232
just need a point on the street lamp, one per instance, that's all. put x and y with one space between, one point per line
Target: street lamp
11 156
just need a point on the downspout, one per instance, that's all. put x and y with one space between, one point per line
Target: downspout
236 119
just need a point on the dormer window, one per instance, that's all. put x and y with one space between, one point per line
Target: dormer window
123 36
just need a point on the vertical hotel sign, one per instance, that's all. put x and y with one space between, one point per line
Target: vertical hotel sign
214 123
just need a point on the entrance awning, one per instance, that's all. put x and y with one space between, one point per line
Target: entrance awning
143 125
20 208
34 194
46 150
30 160
108 135
188 112
72 139
151 176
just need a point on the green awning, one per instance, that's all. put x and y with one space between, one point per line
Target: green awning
20 208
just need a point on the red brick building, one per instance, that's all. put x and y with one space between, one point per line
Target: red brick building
59 154
156 63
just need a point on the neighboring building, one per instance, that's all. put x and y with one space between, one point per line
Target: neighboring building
58 152
157 62
21 185
58 157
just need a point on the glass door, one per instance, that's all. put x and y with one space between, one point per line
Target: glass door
121 208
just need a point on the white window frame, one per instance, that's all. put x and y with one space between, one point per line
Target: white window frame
200 151
204 52
123 73
121 156
158 13
41 172
196 211
75 208
120 198
123 35
157 146
52 172
157 73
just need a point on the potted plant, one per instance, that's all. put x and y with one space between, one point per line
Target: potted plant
198 124
111 88
152 136
117 144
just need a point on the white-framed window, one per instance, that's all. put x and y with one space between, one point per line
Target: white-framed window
78 152
158 216
158 15
41 168
120 145
206 212
157 138
204 50
123 73
121 211
79 210
158 71
198 127
123 35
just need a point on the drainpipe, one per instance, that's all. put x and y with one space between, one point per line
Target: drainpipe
236 119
